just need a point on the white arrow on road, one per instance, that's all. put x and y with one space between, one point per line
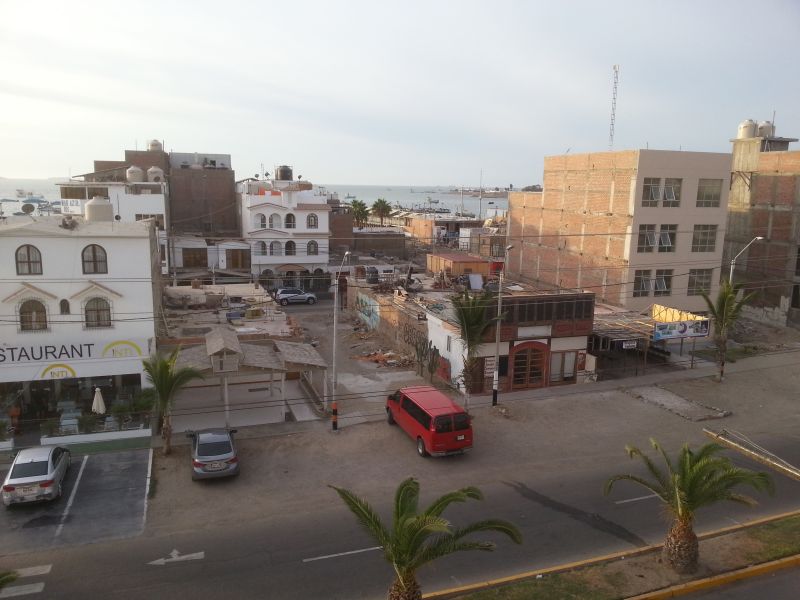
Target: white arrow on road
176 556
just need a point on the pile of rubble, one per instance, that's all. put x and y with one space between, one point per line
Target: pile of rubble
386 358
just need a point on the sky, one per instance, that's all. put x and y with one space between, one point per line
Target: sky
392 92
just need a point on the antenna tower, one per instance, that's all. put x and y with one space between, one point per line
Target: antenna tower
613 109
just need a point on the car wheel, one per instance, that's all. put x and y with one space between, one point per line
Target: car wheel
311 300
390 417
421 448
284 302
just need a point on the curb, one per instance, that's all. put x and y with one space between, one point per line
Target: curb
670 592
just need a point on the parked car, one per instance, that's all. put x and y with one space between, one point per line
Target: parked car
213 453
439 425
286 296
36 474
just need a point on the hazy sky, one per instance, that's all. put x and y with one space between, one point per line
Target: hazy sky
390 92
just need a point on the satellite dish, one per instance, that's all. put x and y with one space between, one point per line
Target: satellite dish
28 208
117 218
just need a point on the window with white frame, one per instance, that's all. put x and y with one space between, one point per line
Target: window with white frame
704 238
641 283
274 221
291 248
95 259
29 260
275 249
312 221
64 306
666 238
289 222
261 248
662 285
651 191
32 316
97 313
647 238
699 282
260 221
672 192
312 248
709 192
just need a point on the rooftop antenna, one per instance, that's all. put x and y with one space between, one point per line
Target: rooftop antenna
613 108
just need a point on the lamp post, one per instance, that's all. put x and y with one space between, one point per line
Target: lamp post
733 260
496 375
336 320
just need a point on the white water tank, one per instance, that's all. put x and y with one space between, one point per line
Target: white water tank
134 174
747 129
155 146
766 129
155 174
98 209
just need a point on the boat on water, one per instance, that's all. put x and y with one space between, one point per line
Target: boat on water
349 197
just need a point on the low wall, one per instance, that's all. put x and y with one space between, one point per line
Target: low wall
103 436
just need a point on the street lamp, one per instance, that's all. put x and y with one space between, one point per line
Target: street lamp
336 319
733 260
496 376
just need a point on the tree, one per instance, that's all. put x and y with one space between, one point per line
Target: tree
692 481
432 360
360 212
167 380
381 209
417 538
473 321
725 311
7 577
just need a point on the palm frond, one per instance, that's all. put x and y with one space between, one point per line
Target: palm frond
366 515
446 546
649 485
438 506
498 525
406 500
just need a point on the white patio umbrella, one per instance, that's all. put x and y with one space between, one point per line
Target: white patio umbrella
98 406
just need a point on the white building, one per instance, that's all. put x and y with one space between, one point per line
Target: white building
77 297
131 200
287 225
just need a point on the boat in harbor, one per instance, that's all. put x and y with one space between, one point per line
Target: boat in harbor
349 197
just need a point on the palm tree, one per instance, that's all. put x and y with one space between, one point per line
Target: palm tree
725 311
417 538
7 577
360 212
381 209
693 480
167 380
473 320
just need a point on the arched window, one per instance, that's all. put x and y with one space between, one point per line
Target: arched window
313 248
275 221
275 249
312 221
98 313
261 221
261 248
290 222
94 259
64 307
290 248
29 260
32 316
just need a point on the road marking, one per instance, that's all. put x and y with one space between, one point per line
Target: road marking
176 556
636 499
147 487
33 571
305 560
71 499
21 590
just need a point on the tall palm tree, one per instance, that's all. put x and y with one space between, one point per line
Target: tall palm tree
417 538
7 577
473 321
360 212
167 380
725 311
691 481
381 209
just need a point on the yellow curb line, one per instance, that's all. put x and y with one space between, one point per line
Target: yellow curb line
610 557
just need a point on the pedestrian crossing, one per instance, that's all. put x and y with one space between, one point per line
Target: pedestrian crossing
19 588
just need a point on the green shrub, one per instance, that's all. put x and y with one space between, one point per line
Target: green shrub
87 423
121 413
50 427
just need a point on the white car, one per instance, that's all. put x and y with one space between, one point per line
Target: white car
286 296
36 474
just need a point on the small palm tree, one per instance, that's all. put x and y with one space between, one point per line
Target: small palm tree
725 311
692 481
381 209
360 212
6 578
417 538
167 380
473 321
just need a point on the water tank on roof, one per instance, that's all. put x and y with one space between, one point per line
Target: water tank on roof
155 174
155 145
766 129
284 173
747 129
134 174
98 209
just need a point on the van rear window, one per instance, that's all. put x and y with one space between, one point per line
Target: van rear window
444 424
461 421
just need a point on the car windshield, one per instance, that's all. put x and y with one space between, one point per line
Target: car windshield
462 421
29 469
213 448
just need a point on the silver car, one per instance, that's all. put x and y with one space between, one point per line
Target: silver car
286 296
36 474
213 453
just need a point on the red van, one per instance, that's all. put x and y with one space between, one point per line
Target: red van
439 425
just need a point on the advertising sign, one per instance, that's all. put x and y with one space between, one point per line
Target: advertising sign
680 329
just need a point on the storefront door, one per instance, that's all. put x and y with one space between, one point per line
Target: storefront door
529 363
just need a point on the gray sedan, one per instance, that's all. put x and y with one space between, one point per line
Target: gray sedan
36 474
213 453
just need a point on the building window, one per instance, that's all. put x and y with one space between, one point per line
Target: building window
704 238
663 282
64 307
94 260
261 248
666 238
313 248
289 223
29 260
641 283
650 191
672 192
312 221
98 313
699 282
32 316
274 221
709 192
562 366
275 249
647 238
291 249
194 257
261 221
449 343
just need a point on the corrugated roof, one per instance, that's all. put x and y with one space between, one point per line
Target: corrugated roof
300 354
222 339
